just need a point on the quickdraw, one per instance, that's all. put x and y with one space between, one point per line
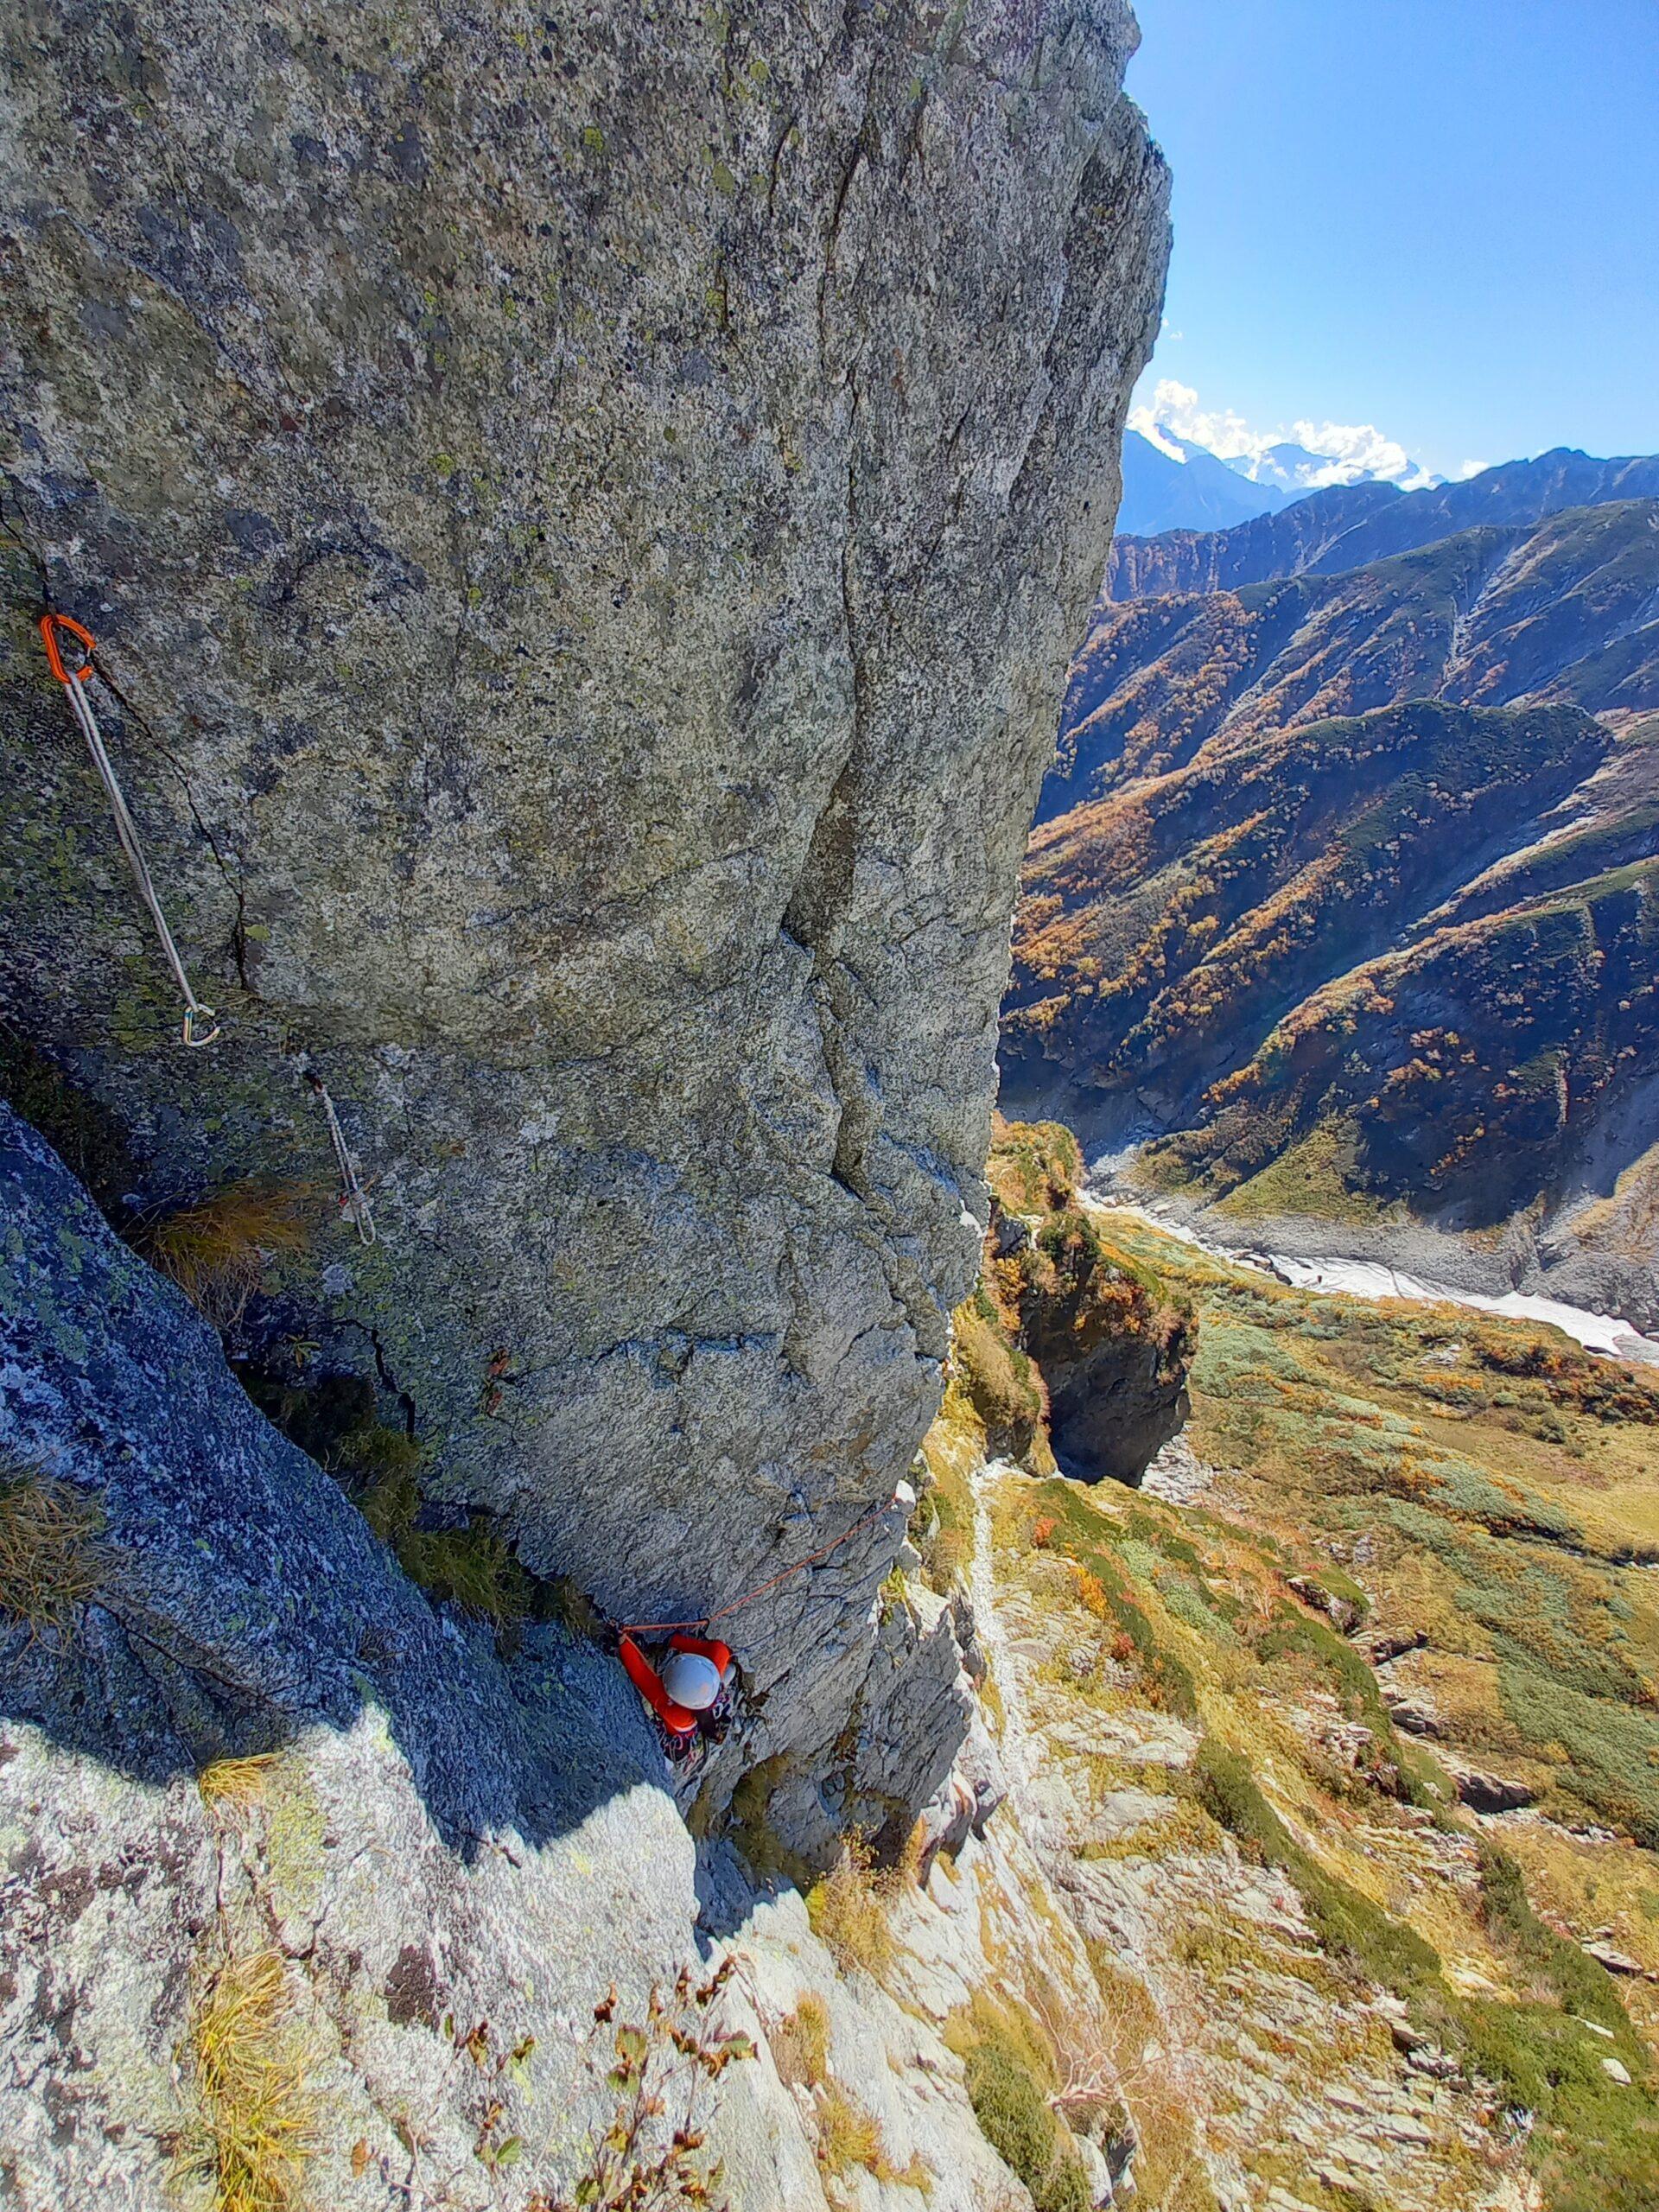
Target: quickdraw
353 1199
200 1022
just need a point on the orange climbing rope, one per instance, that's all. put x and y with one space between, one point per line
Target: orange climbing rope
777 1581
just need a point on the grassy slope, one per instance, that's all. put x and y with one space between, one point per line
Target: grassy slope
1473 1481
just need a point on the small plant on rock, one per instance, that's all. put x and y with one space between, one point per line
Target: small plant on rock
216 1248
52 1562
253 2065
849 1910
800 2046
236 1783
650 2156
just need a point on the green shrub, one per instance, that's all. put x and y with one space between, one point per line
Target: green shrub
1066 2188
1583 1986
1012 2114
1015 2121
998 1378
1614 1749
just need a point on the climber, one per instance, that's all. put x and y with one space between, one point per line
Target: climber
688 1696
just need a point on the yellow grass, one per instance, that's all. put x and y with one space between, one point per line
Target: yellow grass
51 1560
253 2064
849 2136
849 1912
237 1783
800 2047
216 1248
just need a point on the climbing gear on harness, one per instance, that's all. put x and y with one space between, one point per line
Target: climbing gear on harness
707 1620
682 1729
200 1025
353 1199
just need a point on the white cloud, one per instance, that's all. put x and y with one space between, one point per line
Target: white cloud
1466 469
1341 453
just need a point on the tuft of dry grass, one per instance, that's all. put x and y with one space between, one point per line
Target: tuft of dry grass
238 1784
216 1248
849 1910
850 2136
253 2063
800 2047
52 1562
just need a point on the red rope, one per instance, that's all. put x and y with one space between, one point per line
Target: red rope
708 1620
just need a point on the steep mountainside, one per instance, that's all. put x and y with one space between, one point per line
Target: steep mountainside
1566 610
1405 961
314 1895
1184 912
1350 525
317 1898
1334 1743
1345 889
584 518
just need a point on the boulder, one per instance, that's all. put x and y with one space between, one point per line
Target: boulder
1491 1793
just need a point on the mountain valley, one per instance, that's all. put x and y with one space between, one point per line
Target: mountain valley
1344 893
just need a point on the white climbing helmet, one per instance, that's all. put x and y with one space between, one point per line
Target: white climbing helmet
692 1681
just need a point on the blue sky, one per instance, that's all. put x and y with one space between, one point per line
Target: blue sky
1439 217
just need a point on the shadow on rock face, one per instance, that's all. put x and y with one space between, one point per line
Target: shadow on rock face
246 1601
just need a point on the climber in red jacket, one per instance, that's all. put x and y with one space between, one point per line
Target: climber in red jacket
690 1694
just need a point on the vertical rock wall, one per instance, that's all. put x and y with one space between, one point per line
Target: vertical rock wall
585 511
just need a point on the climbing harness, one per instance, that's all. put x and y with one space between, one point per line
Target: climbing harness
201 1024
776 1582
353 1199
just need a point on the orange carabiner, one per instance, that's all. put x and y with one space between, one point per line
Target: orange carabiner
50 625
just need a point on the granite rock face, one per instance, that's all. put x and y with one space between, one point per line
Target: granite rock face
245 1611
584 517
259 1749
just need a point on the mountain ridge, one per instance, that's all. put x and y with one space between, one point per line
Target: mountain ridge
1568 608
1346 525
1344 892
1201 492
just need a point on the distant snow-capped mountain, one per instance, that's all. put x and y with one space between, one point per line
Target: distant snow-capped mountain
1176 484
1186 467
1294 471
1191 490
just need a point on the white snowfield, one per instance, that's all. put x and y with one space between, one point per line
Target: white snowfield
1599 1332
